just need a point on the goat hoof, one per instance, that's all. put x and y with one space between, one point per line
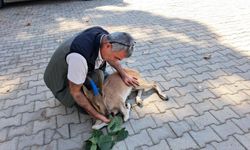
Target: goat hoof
128 105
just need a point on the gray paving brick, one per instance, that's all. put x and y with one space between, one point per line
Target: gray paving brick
23 108
161 133
138 140
204 120
44 124
222 101
11 145
72 143
66 119
226 129
187 99
217 73
244 139
162 105
5 113
162 145
208 147
224 114
243 123
202 95
241 109
180 127
165 117
27 92
36 97
13 102
142 123
205 136
184 142
59 110
36 115
219 81
203 106
44 104
239 97
170 84
171 75
20 130
148 109
36 139
186 80
76 129
3 134
120 146
231 143
186 89
186 111
11 121
50 146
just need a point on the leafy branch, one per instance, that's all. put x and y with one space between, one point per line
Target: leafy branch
101 141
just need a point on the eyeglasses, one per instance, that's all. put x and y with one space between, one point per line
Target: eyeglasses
129 46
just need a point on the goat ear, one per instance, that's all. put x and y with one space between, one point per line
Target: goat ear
100 80
87 92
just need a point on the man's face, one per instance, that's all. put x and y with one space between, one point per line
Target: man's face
110 55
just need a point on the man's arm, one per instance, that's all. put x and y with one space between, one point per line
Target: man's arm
129 81
82 100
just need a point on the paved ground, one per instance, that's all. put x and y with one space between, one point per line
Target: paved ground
209 104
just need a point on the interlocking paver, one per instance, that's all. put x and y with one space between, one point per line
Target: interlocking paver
184 142
244 139
170 49
226 129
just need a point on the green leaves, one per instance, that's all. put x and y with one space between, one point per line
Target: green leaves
99 141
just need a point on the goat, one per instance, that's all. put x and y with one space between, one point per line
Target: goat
114 93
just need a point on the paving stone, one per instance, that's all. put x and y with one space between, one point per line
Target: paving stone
231 143
186 89
148 109
120 146
186 80
44 104
205 136
184 112
222 101
239 97
165 105
162 145
142 123
12 144
72 143
162 118
161 133
202 77
50 146
244 139
23 108
226 129
3 134
59 110
187 99
241 109
36 115
138 140
208 147
36 97
202 95
219 81
36 139
170 84
76 129
180 127
184 142
10 102
243 123
11 121
224 114
203 106
20 130
202 121
5 113
44 124
66 119
187 72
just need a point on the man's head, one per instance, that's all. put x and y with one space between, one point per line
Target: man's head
117 45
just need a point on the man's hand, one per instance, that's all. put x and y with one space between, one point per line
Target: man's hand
81 100
130 81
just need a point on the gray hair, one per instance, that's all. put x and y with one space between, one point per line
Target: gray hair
121 41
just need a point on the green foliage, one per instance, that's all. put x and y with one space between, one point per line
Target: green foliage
100 141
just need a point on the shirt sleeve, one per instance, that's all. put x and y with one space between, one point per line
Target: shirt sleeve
77 68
